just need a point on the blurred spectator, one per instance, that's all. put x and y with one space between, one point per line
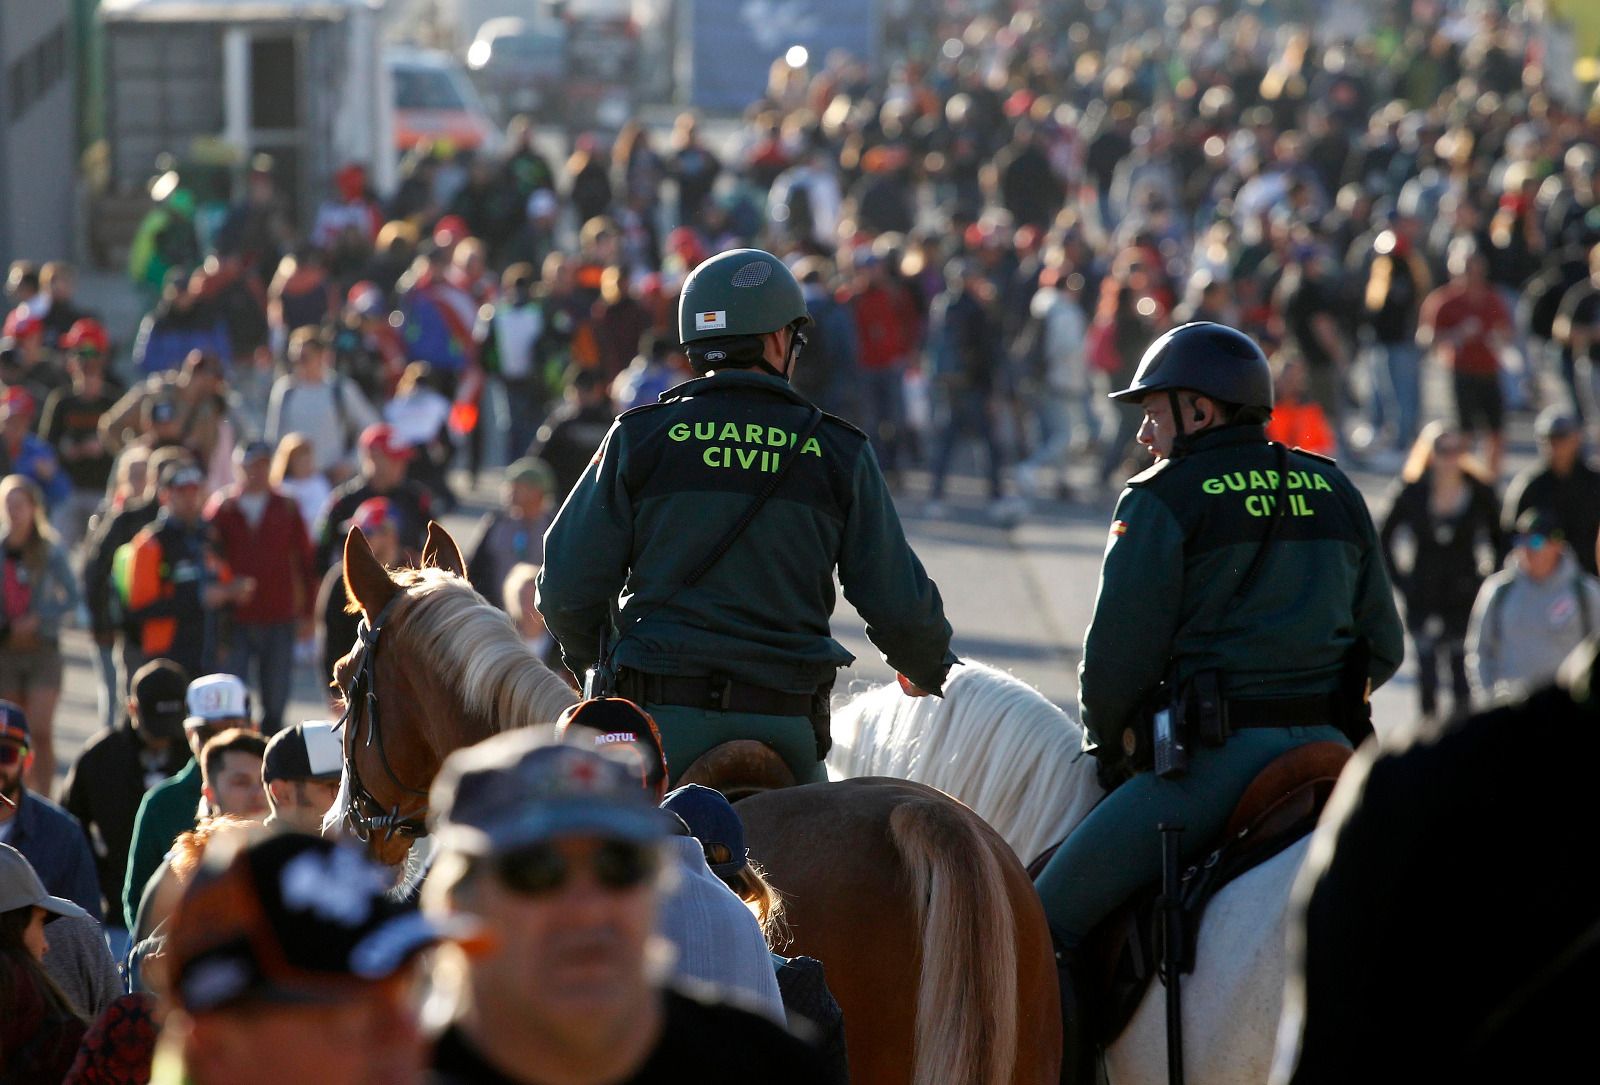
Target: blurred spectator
520 595
173 587
588 180
1298 421
620 323
1466 325
378 521
827 370
41 1028
806 201
294 472
1577 328
200 417
886 334
693 166
1125 323
183 321
1055 375
1312 321
1445 507
542 884
118 524
568 439
1562 483
1532 614
216 703
324 405
80 962
301 771
350 208
71 424
659 367
963 337
25 454
260 536
511 342
287 961
57 304
301 295
109 779
514 533
257 228
37 591
366 346
419 417
1397 280
383 474
165 241
48 837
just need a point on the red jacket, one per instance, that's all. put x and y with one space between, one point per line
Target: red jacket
886 326
276 552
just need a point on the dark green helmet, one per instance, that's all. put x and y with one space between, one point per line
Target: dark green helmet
1211 359
739 292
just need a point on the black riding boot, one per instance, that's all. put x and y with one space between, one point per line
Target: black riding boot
1079 1059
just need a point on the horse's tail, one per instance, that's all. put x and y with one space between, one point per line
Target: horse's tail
967 991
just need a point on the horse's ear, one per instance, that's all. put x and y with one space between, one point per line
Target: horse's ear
366 582
441 551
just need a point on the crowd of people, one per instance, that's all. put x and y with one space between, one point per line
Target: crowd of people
988 237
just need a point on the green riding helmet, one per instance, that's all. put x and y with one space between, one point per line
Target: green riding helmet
1211 359
739 292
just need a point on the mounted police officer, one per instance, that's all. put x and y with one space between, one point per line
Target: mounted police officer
725 596
1244 610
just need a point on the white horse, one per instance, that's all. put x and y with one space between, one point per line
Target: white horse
998 745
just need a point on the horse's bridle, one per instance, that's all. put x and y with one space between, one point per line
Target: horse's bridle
363 813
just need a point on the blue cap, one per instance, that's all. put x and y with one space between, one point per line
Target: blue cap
516 789
13 723
712 820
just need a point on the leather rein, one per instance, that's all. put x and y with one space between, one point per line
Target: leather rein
363 813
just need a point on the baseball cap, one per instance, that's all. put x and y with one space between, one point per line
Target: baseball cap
616 723
20 887
1541 522
450 229
532 469
184 474
287 917
1556 422
306 751
254 450
14 723
158 688
518 788
380 436
365 298
371 514
216 697
713 821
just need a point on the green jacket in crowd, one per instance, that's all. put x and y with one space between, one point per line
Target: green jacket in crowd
166 812
669 482
1185 532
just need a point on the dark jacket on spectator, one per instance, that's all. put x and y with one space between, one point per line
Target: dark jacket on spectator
52 840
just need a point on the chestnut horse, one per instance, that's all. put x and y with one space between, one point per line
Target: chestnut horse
934 941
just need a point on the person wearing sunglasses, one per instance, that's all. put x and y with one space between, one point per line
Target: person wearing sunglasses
722 597
558 854
47 836
1530 615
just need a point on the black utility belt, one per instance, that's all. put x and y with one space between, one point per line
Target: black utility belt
714 694
1317 711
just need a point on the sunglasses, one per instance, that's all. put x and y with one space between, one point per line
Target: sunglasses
541 869
11 754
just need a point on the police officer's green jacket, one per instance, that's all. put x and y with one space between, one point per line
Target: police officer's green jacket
669 482
1184 533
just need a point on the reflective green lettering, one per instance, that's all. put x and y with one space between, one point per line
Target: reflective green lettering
1212 485
747 456
812 447
704 431
711 457
730 432
752 433
1257 482
777 438
679 431
1322 483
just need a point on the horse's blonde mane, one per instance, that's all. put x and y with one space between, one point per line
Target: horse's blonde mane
476 652
992 741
